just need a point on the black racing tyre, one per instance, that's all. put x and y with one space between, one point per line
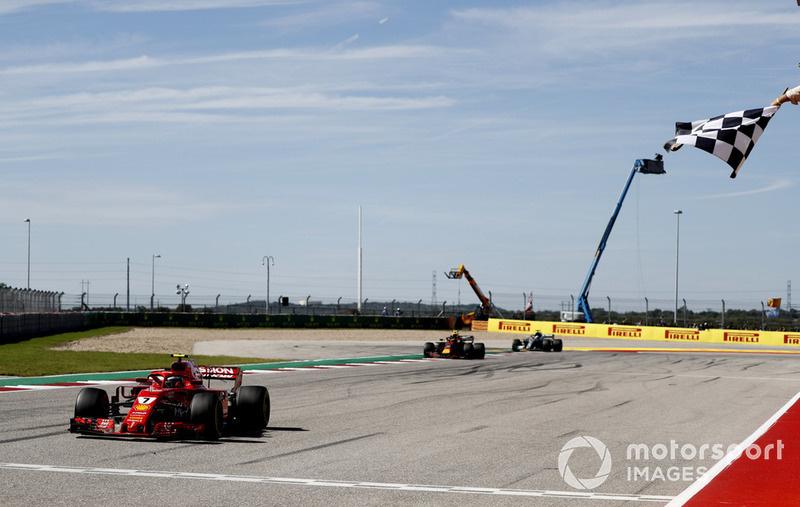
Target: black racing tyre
479 351
547 345
92 403
429 349
469 351
516 345
253 407
206 408
558 345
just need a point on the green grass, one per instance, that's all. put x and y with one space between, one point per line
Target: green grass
35 357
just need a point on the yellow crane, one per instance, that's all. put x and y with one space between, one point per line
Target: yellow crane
486 309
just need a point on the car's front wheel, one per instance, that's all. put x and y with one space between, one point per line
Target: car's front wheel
92 403
206 409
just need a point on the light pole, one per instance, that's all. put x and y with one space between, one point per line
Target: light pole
183 291
265 262
153 281
29 252
678 214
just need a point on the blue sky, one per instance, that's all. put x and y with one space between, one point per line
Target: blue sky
497 135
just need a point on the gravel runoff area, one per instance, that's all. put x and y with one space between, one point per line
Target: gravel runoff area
302 344
169 340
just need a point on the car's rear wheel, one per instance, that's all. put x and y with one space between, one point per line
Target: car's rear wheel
558 345
479 351
253 407
429 349
469 350
516 345
206 409
547 345
92 403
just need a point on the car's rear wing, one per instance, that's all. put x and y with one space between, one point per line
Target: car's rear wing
222 373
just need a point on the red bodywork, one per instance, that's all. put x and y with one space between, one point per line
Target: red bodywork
160 404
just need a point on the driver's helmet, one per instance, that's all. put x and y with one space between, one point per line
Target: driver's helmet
173 382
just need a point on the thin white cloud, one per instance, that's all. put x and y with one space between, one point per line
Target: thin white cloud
778 185
123 6
105 203
140 62
594 18
184 5
573 29
146 62
198 105
346 42
326 14
12 6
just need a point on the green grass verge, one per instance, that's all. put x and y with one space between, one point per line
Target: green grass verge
35 357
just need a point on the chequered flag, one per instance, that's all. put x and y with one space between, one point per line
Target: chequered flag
730 137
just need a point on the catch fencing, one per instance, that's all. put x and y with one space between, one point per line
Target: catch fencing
14 300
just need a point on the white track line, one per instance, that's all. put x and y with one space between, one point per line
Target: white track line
310 367
336 484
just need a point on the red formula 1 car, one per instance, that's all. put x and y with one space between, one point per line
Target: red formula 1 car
455 346
174 402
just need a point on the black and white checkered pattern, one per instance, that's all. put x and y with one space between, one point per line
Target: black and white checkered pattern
730 137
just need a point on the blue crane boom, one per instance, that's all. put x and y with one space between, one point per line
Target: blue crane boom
645 166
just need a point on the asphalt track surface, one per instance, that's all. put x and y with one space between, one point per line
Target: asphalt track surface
432 432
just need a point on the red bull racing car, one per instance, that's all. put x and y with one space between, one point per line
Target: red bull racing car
455 346
174 402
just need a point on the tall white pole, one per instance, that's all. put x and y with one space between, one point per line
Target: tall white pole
29 252
359 259
677 256
265 261
153 280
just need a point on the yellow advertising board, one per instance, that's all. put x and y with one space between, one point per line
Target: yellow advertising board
655 333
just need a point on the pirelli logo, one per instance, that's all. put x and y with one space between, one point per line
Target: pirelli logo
516 327
569 329
739 337
624 332
791 339
682 336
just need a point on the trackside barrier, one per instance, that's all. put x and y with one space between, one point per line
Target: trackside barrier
663 334
21 326
226 321
16 327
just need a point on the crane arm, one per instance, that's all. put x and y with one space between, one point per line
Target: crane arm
645 166
460 272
